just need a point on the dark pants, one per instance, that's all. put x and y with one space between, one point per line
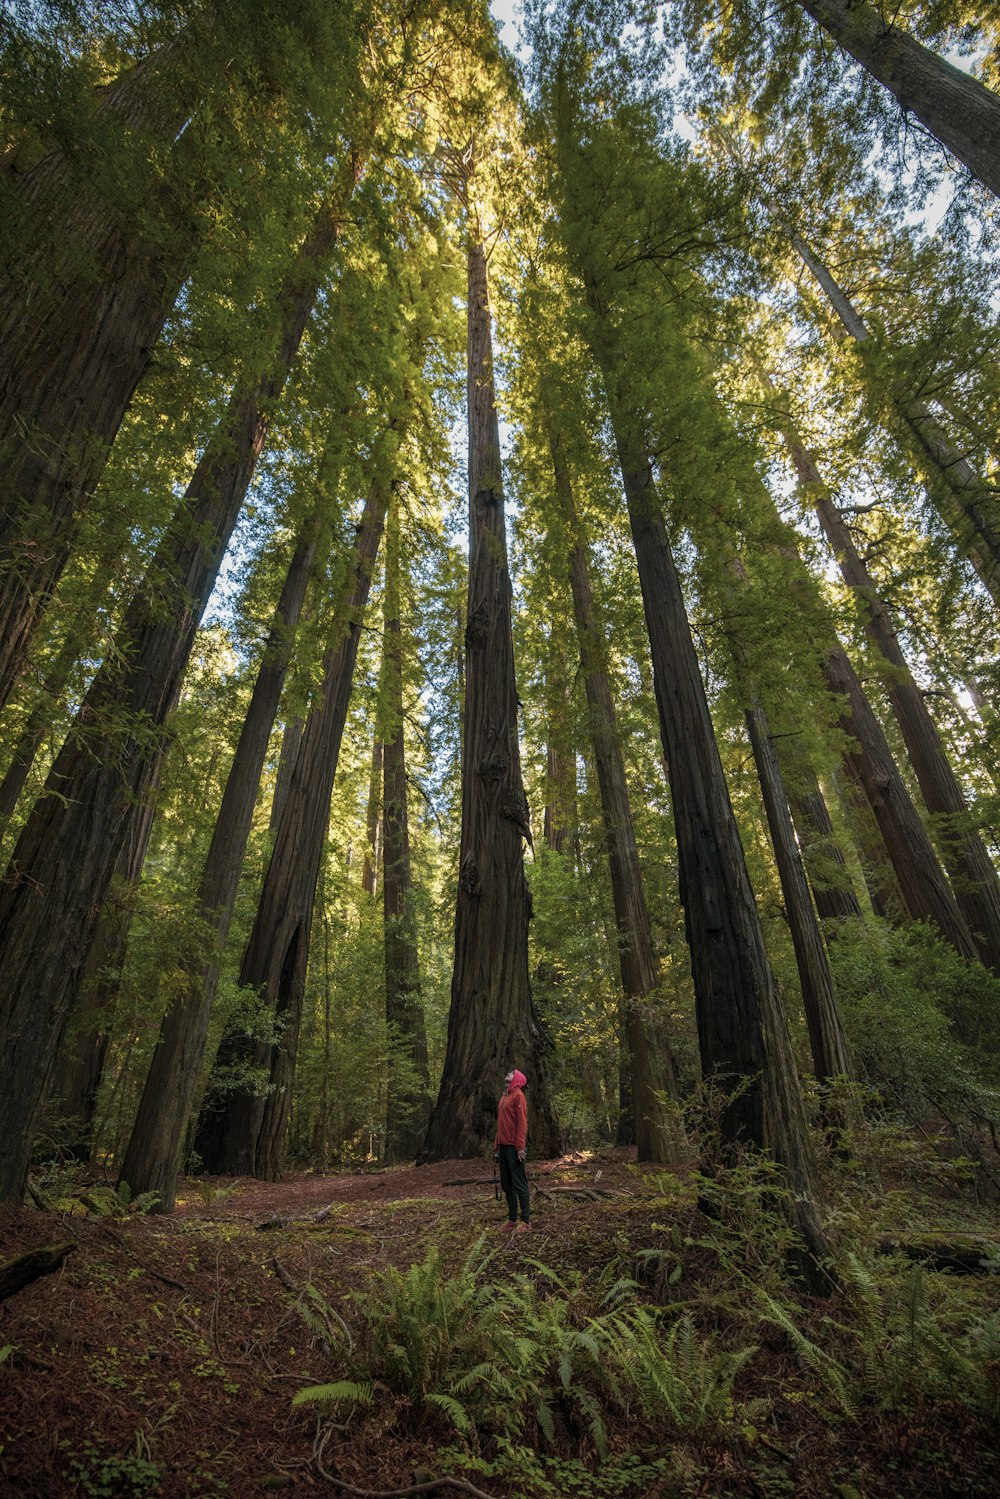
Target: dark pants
514 1181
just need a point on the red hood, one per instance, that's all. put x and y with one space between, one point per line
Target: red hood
518 1079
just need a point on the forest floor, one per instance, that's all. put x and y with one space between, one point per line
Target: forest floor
163 1356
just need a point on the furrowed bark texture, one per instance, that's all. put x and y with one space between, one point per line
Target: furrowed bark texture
79 1069
650 1060
829 877
409 1100
921 879
973 877
492 1024
152 1158
67 851
828 1044
742 1031
244 1132
968 506
85 294
957 109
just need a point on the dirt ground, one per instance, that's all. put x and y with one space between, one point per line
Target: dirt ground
163 1356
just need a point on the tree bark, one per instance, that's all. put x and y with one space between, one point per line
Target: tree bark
746 1051
152 1158
967 505
409 1101
373 822
827 1041
958 110
79 1069
67 851
492 1024
243 1132
99 262
876 866
827 872
921 879
973 878
650 1063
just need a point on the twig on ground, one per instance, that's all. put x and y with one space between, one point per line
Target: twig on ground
461 1484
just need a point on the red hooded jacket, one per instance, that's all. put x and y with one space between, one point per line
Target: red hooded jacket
512 1115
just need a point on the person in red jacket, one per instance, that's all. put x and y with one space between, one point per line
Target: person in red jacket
510 1147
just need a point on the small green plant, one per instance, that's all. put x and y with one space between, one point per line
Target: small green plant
676 1375
907 1353
117 1202
98 1473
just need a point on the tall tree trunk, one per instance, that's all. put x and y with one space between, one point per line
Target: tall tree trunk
152 1157
650 1064
409 1101
243 1131
67 851
492 1024
958 111
37 723
79 1069
973 878
883 888
921 878
373 822
966 504
103 236
828 1044
745 1047
829 877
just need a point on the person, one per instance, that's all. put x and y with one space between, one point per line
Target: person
510 1148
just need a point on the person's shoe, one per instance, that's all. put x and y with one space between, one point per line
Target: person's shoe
504 1228
522 1227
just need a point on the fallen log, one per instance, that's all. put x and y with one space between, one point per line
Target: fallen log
34 1263
963 1256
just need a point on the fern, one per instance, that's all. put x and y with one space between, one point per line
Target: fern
341 1391
832 1375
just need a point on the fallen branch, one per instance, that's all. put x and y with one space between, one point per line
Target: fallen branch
461 1484
34 1263
284 1277
961 1256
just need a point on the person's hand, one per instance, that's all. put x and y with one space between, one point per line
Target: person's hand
521 1154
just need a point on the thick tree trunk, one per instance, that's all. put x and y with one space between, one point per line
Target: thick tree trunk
243 1131
967 505
560 789
921 879
959 111
746 1050
76 1079
102 238
650 1064
492 1024
830 1052
742 1032
152 1158
38 722
68 849
409 1101
973 877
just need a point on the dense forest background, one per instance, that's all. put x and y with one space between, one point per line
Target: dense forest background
296 736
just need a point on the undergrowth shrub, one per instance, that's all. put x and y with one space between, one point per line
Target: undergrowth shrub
493 1360
906 997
